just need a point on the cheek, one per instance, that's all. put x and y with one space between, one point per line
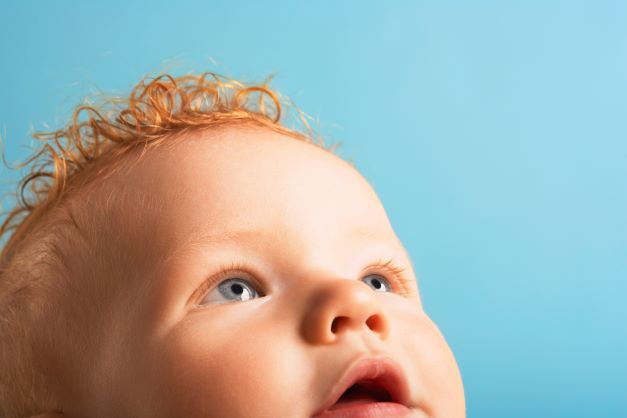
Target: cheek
435 366
226 369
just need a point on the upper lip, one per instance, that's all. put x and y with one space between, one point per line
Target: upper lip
387 373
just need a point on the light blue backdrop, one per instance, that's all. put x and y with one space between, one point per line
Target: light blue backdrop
494 131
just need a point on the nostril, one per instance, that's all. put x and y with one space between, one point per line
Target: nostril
338 322
375 323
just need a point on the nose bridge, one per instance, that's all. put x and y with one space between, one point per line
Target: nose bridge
343 305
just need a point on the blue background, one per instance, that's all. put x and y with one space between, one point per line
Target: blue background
493 131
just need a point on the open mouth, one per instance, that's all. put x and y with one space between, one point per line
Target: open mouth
368 387
362 392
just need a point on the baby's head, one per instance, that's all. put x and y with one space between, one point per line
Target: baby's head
192 257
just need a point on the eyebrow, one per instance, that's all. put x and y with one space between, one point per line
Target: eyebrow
202 237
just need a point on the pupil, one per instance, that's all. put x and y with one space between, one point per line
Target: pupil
377 283
237 289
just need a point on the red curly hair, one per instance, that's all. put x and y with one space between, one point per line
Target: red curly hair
89 147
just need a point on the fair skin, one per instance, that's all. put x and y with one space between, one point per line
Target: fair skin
306 231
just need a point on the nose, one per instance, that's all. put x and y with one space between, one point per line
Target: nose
344 305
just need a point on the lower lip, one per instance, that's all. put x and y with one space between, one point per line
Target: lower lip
370 410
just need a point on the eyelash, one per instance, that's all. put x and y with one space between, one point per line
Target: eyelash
402 285
396 272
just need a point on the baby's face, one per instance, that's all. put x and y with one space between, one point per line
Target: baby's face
259 281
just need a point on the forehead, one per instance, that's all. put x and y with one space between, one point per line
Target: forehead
250 179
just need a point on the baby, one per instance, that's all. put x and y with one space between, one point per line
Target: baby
185 254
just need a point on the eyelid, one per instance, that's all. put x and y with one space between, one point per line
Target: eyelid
392 267
223 271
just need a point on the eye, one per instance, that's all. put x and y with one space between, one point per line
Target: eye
378 282
389 277
235 289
